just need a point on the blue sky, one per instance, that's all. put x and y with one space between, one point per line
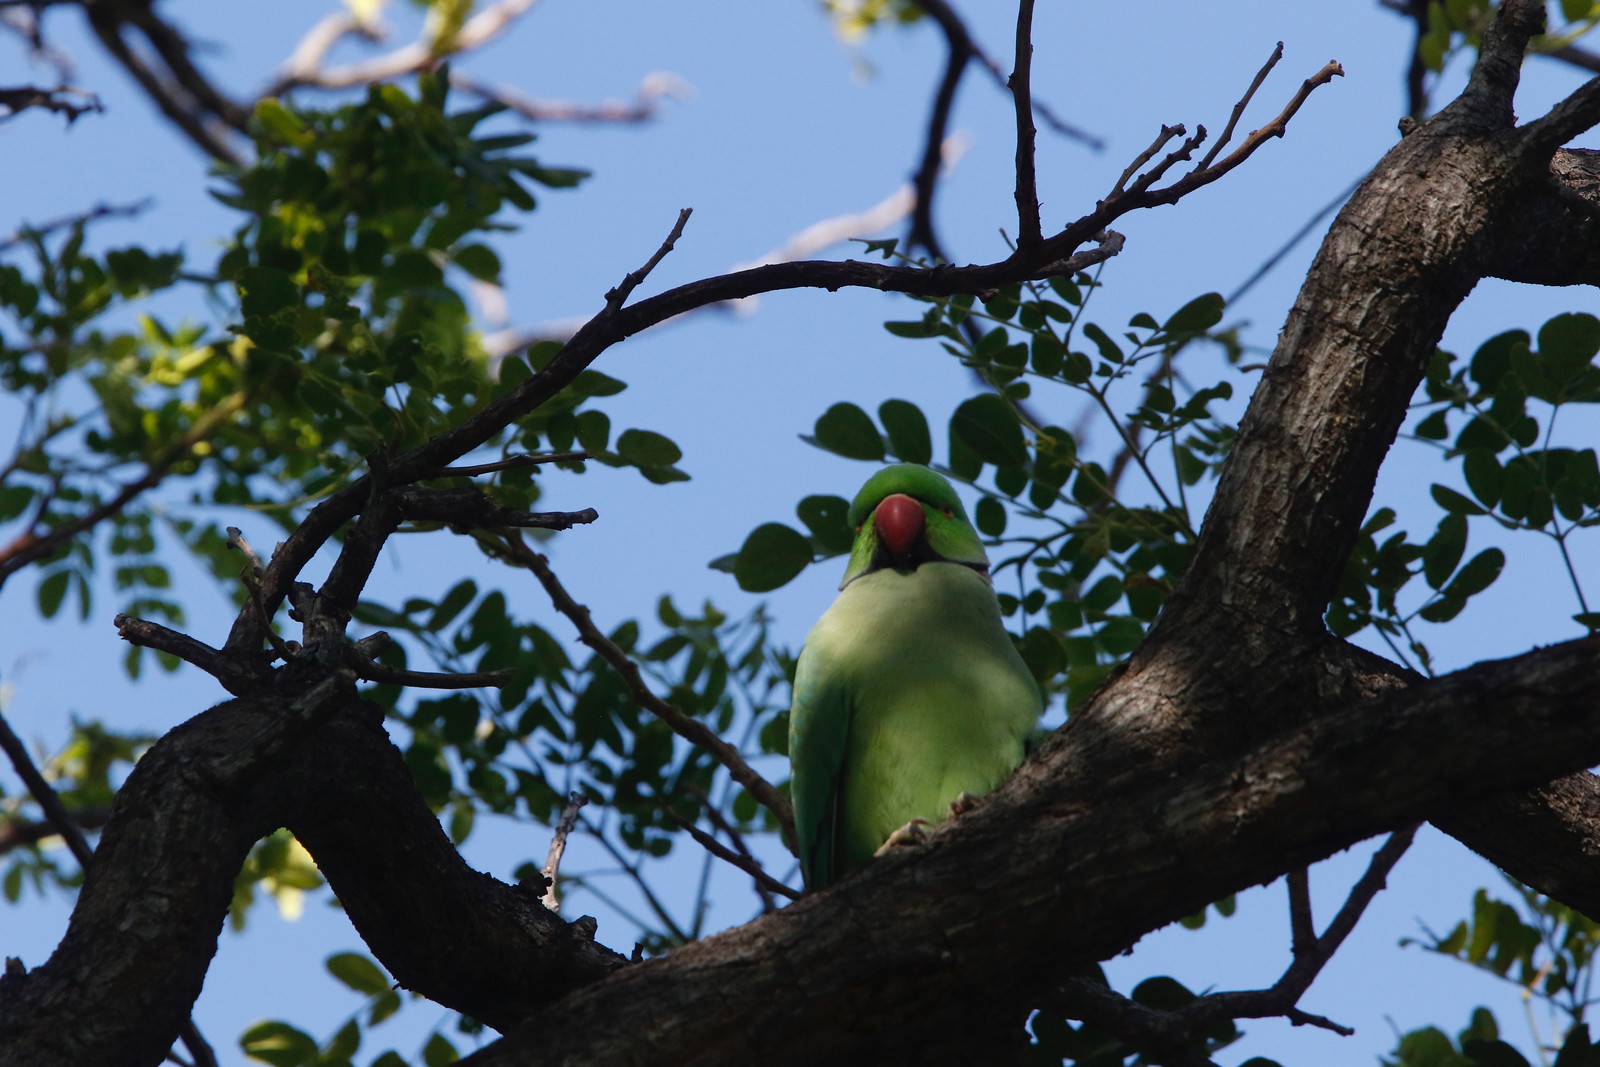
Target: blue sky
786 126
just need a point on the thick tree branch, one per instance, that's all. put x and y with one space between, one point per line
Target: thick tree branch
181 828
1076 857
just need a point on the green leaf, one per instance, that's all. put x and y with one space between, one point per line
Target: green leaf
913 329
1451 500
1493 1054
1478 574
439 1052
52 591
988 425
1483 474
908 431
460 595
827 517
358 972
1109 349
281 124
1201 313
279 1044
848 431
646 448
1042 652
771 557
264 290
990 517
1444 549
480 262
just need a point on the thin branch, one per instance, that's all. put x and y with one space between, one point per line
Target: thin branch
469 508
1171 1034
1027 193
237 542
558 848
304 65
509 463
1167 133
745 863
54 810
1579 112
107 22
147 634
618 296
925 183
1308 963
31 546
693 730
957 34
644 107
1302 932
17 832
22 97
368 669
1243 102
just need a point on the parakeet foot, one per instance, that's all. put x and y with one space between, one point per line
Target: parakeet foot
964 803
910 835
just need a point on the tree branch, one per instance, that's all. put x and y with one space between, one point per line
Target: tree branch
692 730
1076 857
1027 191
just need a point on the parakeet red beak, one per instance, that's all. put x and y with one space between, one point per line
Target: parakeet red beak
899 522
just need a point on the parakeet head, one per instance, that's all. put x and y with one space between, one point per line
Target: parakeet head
905 516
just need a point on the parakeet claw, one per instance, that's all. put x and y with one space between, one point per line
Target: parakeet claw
910 835
964 803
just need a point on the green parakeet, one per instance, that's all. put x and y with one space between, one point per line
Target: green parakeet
908 690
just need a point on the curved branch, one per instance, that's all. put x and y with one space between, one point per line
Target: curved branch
182 826
1076 857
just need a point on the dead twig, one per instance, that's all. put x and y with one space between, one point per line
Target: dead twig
692 730
558 848
745 862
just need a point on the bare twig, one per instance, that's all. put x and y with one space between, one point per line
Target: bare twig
1027 193
1171 1033
958 36
304 65
1167 133
618 296
644 106
467 508
99 211
21 97
692 730
744 862
54 811
558 848
237 542
1302 932
1243 102
182 94
509 463
368 669
147 634
19 833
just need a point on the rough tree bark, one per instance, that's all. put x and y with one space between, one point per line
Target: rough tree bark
1240 741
